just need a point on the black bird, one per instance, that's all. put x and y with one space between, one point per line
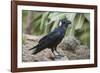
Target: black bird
52 39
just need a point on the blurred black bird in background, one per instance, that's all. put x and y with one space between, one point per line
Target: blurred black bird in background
52 39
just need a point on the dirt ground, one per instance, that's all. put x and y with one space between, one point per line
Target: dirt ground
76 52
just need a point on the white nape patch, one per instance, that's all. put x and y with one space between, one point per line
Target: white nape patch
60 23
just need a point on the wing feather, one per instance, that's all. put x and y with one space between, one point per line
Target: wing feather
52 36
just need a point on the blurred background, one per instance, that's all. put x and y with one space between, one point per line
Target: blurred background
76 43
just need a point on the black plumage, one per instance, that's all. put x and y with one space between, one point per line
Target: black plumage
52 39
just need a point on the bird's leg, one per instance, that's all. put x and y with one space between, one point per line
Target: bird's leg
53 52
57 52
55 56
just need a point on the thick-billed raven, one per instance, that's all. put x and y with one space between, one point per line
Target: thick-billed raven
52 39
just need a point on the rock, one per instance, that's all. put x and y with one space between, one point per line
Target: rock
70 43
83 52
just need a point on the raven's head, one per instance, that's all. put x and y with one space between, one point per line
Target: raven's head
64 22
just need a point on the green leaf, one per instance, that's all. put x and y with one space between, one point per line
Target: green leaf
79 20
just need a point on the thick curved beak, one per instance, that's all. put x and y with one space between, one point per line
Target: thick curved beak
69 22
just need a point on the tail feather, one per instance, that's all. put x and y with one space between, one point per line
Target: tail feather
37 50
33 47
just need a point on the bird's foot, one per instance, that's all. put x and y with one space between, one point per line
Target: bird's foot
58 56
